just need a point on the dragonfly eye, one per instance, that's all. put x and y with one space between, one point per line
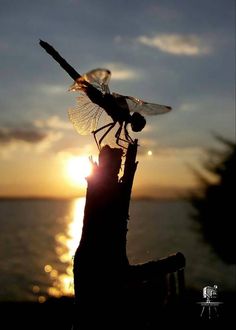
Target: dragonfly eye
137 122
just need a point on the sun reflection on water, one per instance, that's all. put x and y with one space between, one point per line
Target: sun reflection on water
67 243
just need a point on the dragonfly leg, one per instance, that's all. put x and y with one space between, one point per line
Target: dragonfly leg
118 138
127 136
110 126
127 139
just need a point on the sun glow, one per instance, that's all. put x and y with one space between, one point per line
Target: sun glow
66 245
69 243
77 169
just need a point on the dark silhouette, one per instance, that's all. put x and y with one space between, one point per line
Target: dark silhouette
215 204
109 292
106 286
96 97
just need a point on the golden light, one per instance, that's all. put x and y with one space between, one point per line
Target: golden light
54 292
54 273
149 152
41 299
77 169
48 268
76 225
63 283
36 289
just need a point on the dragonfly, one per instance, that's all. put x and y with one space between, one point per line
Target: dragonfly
95 98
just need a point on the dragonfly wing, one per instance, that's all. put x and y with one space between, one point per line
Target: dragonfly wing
85 115
146 108
98 78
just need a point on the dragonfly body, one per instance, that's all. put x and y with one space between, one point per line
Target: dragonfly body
95 97
115 106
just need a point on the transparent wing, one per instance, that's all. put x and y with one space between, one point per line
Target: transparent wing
85 115
99 78
146 108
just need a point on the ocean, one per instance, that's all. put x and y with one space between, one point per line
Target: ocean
39 238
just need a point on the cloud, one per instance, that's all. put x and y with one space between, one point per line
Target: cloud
27 140
188 107
52 89
121 72
47 143
53 122
8 135
176 44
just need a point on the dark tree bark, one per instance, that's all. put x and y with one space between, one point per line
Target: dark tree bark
106 286
101 263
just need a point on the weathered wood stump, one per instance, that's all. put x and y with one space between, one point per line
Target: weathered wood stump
106 286
101 263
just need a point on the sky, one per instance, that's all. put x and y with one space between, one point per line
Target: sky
178 53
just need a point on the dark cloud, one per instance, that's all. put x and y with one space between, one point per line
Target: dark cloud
8 135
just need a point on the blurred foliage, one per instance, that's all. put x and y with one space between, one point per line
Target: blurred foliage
215 203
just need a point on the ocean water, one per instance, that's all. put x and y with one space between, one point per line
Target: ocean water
39 238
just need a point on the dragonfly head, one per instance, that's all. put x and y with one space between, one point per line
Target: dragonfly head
137 122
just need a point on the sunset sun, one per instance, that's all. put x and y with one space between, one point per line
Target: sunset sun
77 169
